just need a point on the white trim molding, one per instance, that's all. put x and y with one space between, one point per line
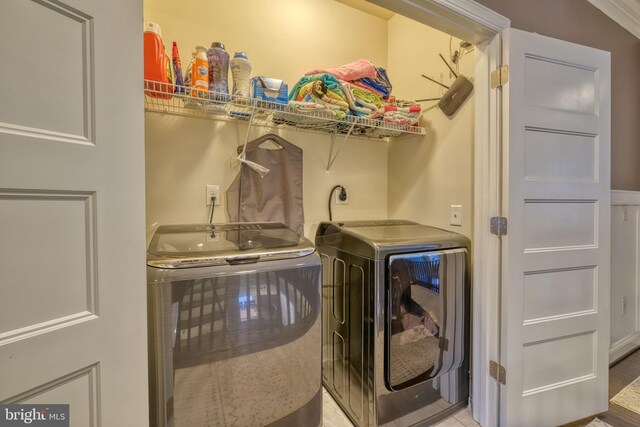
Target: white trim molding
625 279
475 23
624 347
486 247
624 12
625 198
464 19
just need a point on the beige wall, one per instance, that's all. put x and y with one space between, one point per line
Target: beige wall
282 38
184 154
582 23
427 175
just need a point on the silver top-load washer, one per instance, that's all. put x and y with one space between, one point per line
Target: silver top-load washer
395 320
234 326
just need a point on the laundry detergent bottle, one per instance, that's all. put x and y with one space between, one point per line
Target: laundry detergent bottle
240 71
200 73
157 64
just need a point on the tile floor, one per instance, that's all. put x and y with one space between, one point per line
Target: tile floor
332 415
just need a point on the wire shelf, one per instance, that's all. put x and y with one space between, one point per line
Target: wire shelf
217 106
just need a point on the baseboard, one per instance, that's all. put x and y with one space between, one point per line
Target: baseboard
624 347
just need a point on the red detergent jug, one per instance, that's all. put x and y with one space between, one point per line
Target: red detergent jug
157 65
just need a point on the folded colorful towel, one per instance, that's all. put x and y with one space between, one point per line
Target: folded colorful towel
399 112
413 108
367 97
358 89
356 108
314 107
383 78
399 118
352 71
368 88
376 86
323 87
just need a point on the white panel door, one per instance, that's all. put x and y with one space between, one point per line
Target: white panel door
555 289
72 246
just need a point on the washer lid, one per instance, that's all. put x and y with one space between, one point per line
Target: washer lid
377 239
200 245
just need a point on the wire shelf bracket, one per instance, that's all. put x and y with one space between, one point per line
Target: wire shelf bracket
333 156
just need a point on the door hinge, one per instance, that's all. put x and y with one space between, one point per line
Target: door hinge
443 344
499 225
499 76
497 372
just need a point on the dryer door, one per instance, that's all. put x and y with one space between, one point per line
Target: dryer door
426 332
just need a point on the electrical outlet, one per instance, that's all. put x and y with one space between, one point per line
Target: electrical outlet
624 305
212 191
456 215
342 197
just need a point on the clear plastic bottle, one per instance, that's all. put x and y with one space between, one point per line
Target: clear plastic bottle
218 71
240 71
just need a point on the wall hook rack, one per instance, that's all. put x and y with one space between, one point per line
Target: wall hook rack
455 95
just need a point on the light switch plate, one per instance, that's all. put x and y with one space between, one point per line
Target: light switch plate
456 215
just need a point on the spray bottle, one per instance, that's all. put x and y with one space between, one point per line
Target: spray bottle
177 68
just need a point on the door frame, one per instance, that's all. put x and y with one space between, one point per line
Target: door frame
473 22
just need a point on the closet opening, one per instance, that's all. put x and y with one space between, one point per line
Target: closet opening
425 177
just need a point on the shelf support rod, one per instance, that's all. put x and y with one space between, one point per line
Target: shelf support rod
333 156
246 138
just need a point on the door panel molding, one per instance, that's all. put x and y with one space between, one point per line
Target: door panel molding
81 387
65 253
66 112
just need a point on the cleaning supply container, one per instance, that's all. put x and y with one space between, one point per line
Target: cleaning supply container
219 71
200 73
240 72
157 64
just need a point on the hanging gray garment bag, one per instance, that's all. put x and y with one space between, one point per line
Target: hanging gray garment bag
276 197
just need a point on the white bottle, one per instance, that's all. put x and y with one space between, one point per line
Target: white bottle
240 71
